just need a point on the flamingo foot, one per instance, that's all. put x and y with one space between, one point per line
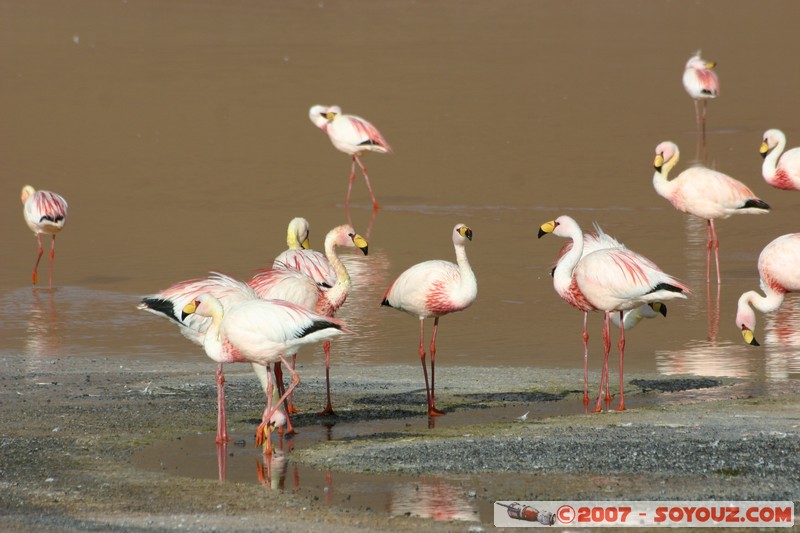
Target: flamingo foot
433 411
586 399
263 436
35 277
292 410
621 406
328 411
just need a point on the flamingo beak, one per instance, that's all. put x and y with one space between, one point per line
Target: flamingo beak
659 162
306 244
711 64
361 243
329 115
658 307
547 227
466 232
188 309
749 337
764 149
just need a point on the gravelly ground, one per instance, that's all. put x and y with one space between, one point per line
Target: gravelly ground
71 427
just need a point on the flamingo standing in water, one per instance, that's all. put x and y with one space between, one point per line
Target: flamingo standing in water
260 331
170 302
704 193
702 84
779 272
45 212
352 135
327 301
562 280
299 256
433 289
610 280
780 171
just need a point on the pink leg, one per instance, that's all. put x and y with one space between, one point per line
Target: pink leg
350 181
375 205
422 360
222 425
222 460
604 371
709 244
265 421
703 128
38 258
585 358
328 411
286 405
264 432
432 410
716 247
621 406
52 257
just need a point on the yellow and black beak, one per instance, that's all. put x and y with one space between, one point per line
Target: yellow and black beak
465 231
306 244
711 64
329 115
547 227
361 243
659 162
188 309
764 150
749 337
658 307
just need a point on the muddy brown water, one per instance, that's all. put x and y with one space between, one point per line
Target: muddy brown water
178 132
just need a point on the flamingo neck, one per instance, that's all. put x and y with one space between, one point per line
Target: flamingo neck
765 304
770 165
562 275
212 342
336 295
663 186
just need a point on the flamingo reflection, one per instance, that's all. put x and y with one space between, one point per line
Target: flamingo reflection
431 499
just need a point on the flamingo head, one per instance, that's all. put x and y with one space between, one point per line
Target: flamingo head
563 226
27 192
746 319
667 155
321 115
771 140
698 63
345 235
297 234
461 234
204 305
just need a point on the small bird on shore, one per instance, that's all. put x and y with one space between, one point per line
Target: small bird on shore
433 289
44 212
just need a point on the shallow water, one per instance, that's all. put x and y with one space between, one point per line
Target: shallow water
178 132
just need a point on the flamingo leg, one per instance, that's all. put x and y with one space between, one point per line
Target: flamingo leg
286 405
432 410
716 248
422 360
621 345
604 371
375 205
38 258
328 411
709 244
222 423
585 358
52 258
263 433
350 181
264 428
289 407
222 460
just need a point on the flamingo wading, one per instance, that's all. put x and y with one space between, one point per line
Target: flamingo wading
433 289
702 84
779 272
352 135
45 212
780 169
704 193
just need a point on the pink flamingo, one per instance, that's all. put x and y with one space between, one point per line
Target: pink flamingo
45 212
260 331
779 272
299 256
266 283
352 135
704 193
702 84
562 281
780 171
611 280
433 289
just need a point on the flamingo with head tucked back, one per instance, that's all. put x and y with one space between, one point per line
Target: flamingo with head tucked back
610 280
779 272
299 256
704 193
562 281
45 212
265 283
780 171
352 135
260 331
433 289
702 84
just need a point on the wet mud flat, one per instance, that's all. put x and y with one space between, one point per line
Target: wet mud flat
72 428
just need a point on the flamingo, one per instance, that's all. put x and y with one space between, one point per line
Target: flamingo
433 289
702 84
352 135
779 273
562 281
300 257
260 331
327 301
45 212
704 193
610 280
780 171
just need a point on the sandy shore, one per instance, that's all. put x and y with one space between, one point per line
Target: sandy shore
72 427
